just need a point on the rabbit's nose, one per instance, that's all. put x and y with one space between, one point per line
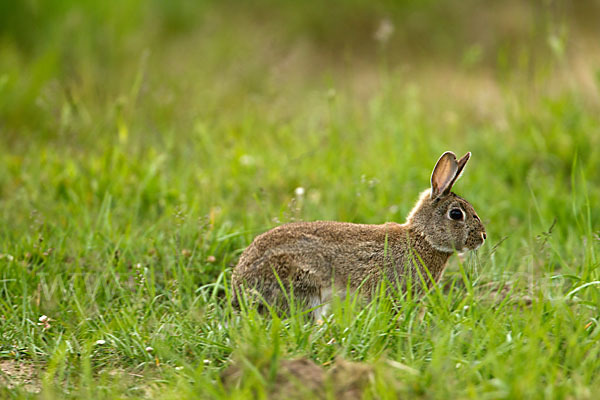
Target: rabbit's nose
483 235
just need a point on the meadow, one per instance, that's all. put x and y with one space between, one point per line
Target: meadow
144 145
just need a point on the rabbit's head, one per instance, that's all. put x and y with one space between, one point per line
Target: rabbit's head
447 221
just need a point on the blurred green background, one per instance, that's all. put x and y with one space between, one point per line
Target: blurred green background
155 139
224 108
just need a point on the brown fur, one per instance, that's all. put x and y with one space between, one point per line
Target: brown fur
311 258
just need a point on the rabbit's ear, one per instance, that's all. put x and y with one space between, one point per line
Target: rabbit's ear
461 166
445 173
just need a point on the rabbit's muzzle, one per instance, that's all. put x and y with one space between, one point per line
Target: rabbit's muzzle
475 237
475 241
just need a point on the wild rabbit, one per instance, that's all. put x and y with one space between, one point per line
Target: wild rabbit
314 260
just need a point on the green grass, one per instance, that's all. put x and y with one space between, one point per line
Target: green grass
142 148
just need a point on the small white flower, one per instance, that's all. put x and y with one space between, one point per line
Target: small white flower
206 362
384 30
149 349
178 368
247 160
100 342
299 191
44 322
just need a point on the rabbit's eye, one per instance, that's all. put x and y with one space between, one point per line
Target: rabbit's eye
456 214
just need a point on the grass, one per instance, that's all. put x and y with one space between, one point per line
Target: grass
143 147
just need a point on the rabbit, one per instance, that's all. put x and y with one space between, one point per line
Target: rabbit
315 260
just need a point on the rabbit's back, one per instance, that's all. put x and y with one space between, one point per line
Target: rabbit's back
312 256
